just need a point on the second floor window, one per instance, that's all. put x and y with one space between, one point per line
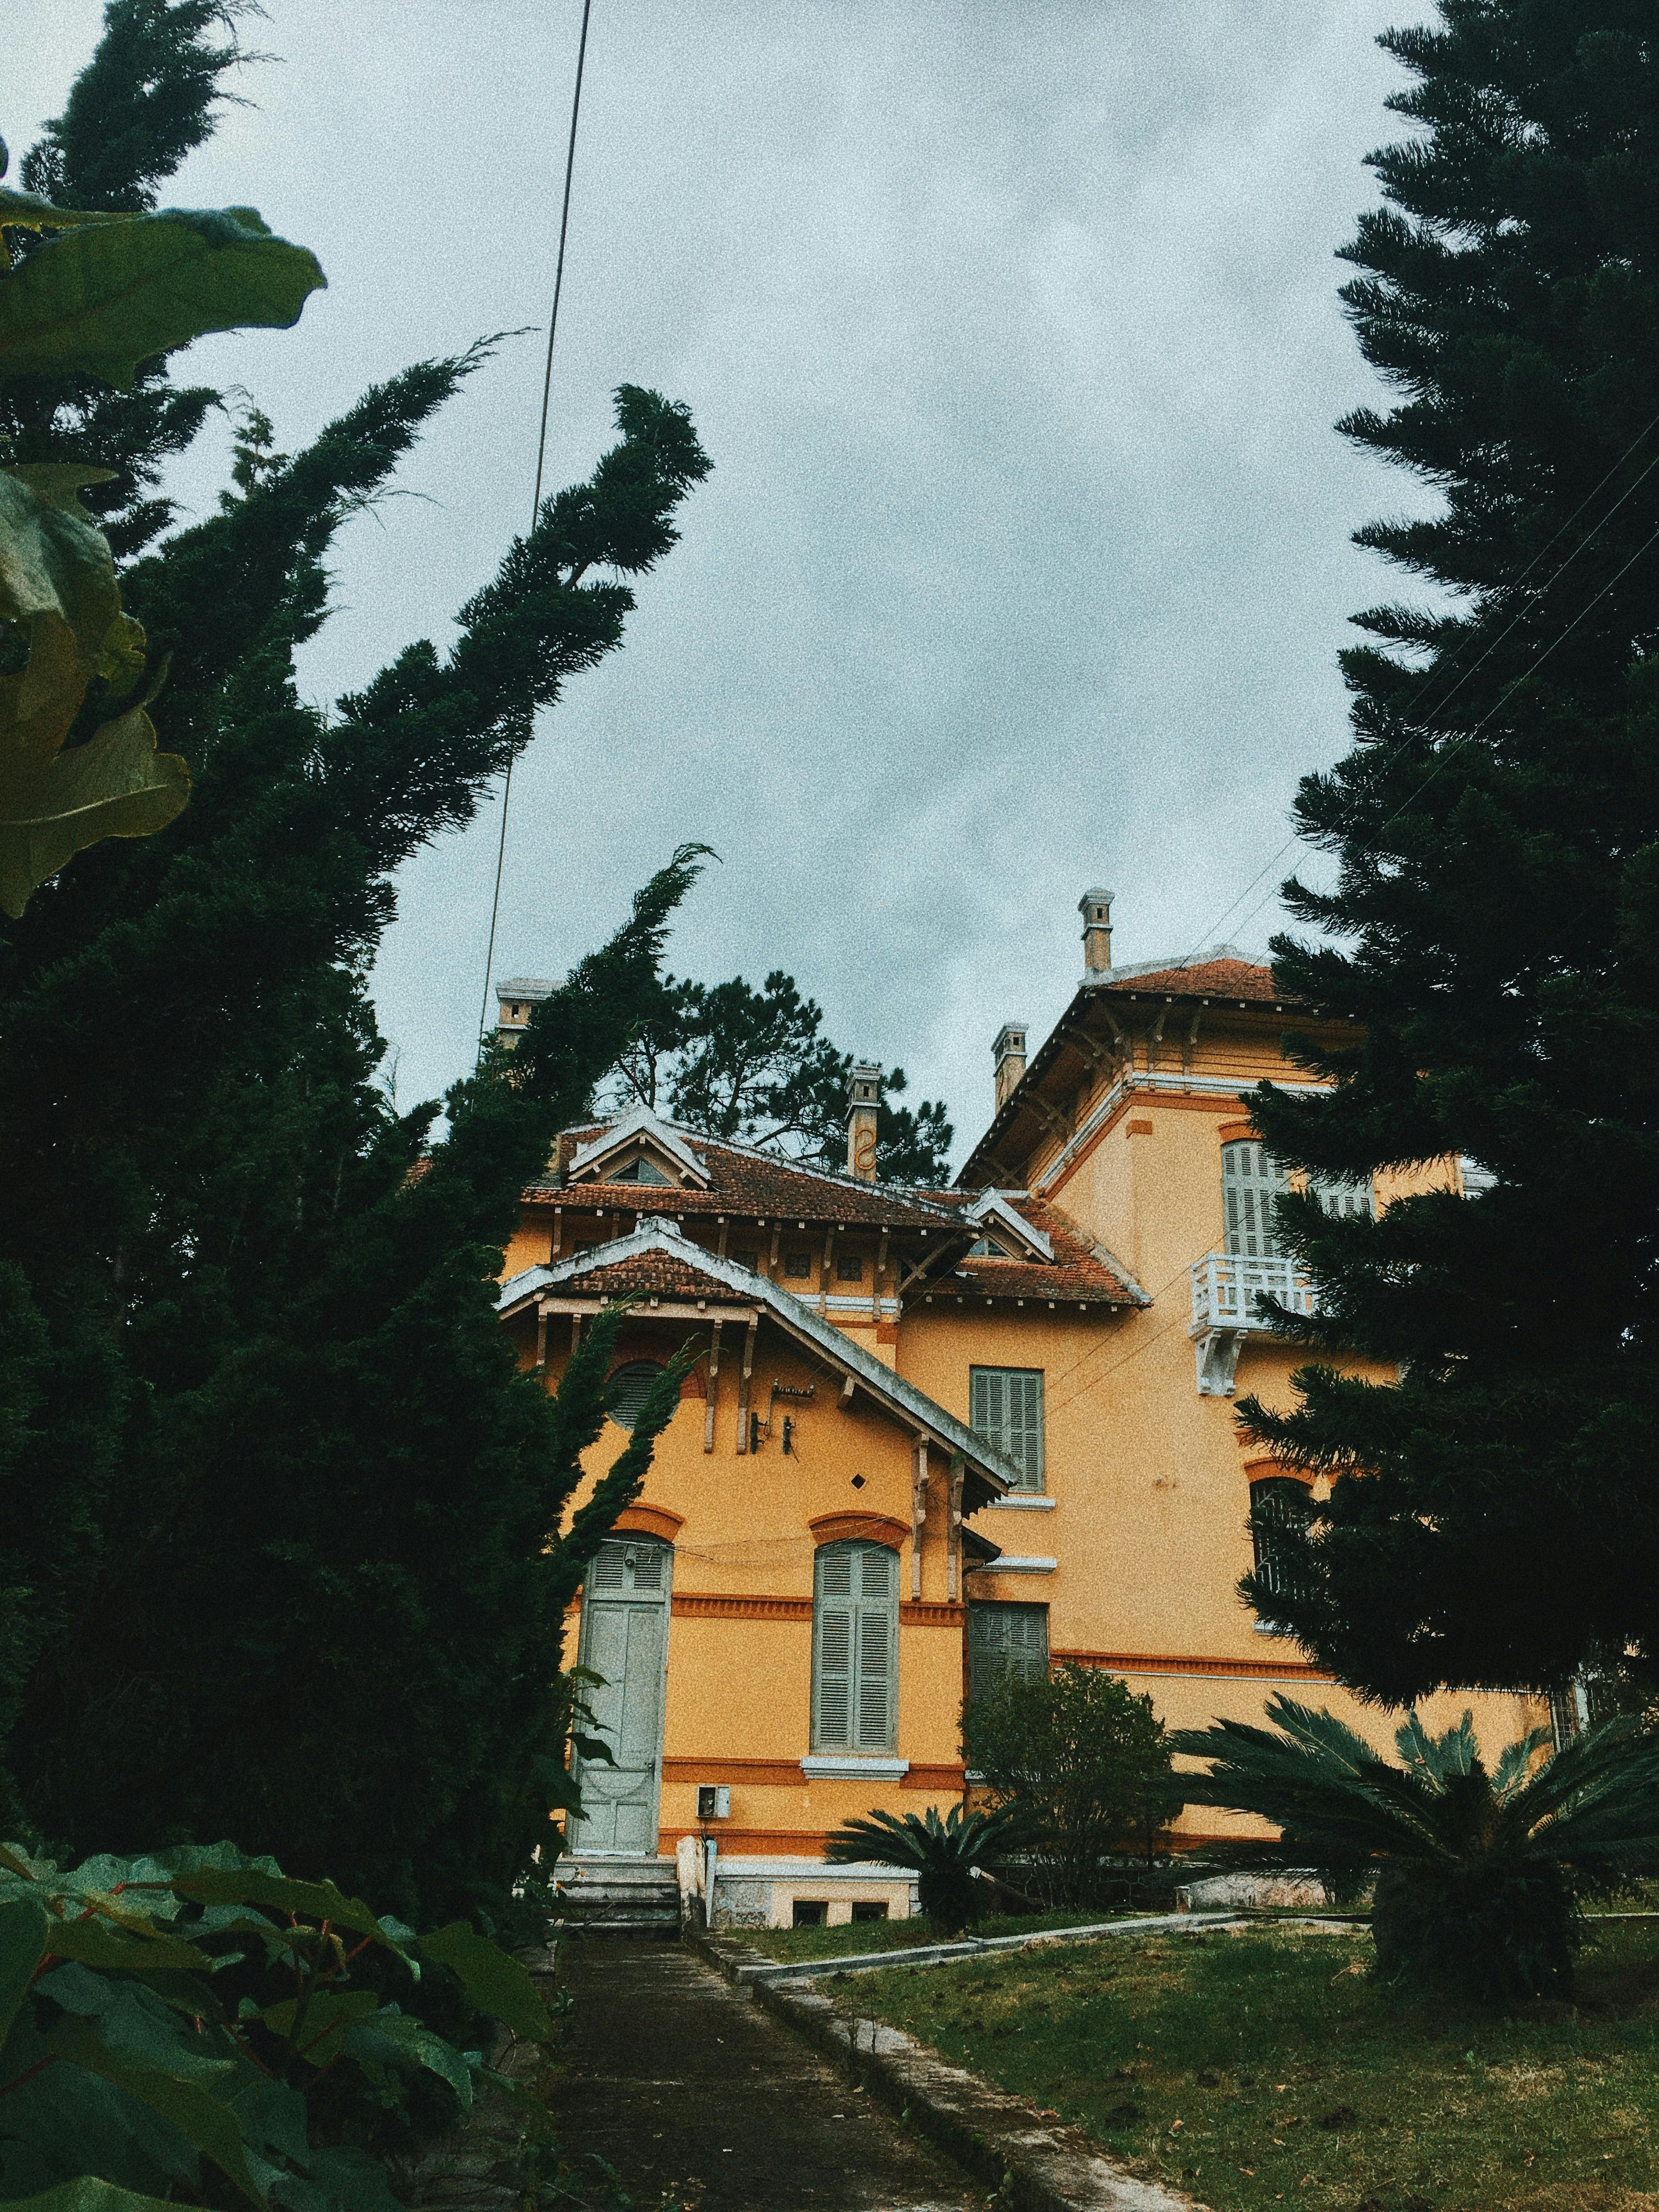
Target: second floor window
1252 1180
1006 1411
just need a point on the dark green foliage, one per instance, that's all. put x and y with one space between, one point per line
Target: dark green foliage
755 1066
951 1856
196 2026
1477 1872
1086 1764
278 1503
146 99
1493 923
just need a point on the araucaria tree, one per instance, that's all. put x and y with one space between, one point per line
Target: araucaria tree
757 1066
1494 919
275 1551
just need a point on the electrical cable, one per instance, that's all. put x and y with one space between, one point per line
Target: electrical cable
1413 728
536 497
1469 736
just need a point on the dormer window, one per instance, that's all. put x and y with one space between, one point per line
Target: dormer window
988 1249
638 1170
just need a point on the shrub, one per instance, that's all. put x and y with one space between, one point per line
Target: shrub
1477 1873
950 1856
1086 1764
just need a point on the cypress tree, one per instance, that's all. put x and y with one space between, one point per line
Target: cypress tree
1493 923
278 1564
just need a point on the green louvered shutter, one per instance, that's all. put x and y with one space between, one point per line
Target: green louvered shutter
878 1653
1006 1411
1251 1179
1006 1641
854 1647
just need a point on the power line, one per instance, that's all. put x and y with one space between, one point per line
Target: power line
1412 729
536 497
1497 707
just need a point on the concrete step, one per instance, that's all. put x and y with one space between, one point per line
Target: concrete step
620 1897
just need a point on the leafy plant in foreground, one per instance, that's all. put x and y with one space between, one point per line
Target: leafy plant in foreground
950 1856
99 292
195 2021
1478 1872
1085 1761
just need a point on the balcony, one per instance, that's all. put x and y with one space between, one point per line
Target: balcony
1227 1291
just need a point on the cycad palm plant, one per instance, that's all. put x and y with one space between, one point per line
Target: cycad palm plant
950 1856
1478 1872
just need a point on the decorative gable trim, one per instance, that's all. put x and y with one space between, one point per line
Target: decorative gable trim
913 1407
640 1127
991 1206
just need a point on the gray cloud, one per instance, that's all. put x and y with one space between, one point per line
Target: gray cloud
1012 333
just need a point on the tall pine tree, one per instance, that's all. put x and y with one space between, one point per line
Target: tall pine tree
276 1553
1494 923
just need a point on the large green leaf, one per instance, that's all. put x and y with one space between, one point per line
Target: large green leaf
102 297
87 2194
116 784
177 2092
316 1900
392 2038
326 2014
23 1928
494 1980
96 1942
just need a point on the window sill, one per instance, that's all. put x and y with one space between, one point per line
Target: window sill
1008 1564
1020 1504
1269 1628
853 1766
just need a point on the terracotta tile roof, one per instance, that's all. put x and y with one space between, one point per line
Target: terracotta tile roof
1208 979
653 1274
742 1181
1081 1271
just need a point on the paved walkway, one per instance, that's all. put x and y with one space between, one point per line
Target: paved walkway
674 2076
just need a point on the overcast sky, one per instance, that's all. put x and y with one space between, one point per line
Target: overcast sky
1012 333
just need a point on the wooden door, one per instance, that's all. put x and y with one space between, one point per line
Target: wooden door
625 1640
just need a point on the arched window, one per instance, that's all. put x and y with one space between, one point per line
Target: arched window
1251 1179
854 1647
626 1392
1280 1508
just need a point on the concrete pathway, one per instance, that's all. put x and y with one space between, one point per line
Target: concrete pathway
676 2077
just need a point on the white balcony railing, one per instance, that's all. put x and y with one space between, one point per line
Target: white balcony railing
1227 1293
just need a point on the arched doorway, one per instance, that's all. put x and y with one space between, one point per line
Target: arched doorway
624 1638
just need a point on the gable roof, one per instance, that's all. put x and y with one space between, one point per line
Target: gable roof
741 1179
638 1122
1079 1272
656 1252
992 1205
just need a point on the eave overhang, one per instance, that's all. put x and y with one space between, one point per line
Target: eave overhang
989 1475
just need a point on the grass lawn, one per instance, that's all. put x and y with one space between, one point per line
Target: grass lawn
899 1935
1265 2067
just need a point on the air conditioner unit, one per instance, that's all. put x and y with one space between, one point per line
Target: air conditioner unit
714 1800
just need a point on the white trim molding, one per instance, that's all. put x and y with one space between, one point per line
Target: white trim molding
852 1766
1020 1505
1009 1564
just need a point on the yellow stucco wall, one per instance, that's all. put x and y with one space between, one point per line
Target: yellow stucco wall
1146 1499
